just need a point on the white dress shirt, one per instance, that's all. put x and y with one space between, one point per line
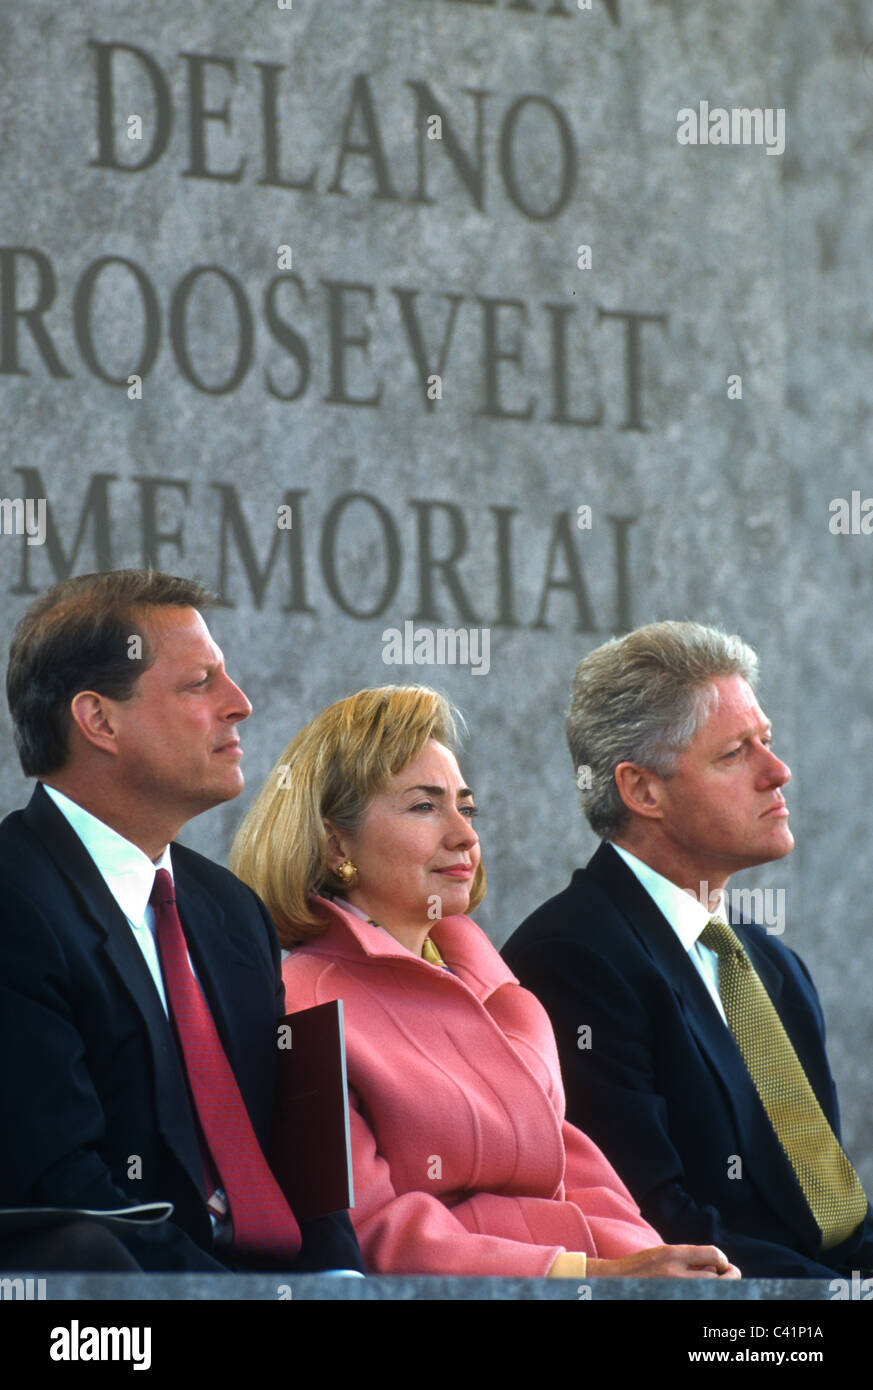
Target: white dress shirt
129 875
686 915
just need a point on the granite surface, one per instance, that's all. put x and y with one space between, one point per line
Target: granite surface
300 376
82 1288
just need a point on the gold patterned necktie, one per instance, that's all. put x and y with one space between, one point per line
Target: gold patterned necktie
827 1178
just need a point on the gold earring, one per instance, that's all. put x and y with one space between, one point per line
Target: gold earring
347 871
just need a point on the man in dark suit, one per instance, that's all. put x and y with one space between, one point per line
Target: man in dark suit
693 1052
140 984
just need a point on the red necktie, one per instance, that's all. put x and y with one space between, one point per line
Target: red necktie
263 1223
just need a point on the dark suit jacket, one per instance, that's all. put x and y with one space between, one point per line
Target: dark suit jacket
91 1079
663 1088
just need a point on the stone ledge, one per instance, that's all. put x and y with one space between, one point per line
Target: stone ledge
416 1288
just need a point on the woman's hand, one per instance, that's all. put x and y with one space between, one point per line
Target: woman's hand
669 1262
661 1262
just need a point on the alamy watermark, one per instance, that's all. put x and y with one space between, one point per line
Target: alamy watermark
22 1286
23 516
851 516
741 125
861 1290
443 646
764 906
75 1343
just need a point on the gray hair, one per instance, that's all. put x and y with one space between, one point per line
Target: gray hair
641 699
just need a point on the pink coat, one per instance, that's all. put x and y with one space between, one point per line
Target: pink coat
463 1162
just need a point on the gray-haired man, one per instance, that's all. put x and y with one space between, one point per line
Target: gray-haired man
693 1051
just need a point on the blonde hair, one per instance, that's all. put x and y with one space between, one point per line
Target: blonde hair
331 771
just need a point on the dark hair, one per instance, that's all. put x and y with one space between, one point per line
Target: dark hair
78 637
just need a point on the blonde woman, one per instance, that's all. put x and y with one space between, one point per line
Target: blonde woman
362 846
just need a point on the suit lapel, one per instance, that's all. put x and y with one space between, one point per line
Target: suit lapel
662 944
710 1032
171 1102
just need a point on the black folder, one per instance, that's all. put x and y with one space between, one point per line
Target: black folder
310 1148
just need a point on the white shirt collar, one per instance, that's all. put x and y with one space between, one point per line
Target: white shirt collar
685 913
128 872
